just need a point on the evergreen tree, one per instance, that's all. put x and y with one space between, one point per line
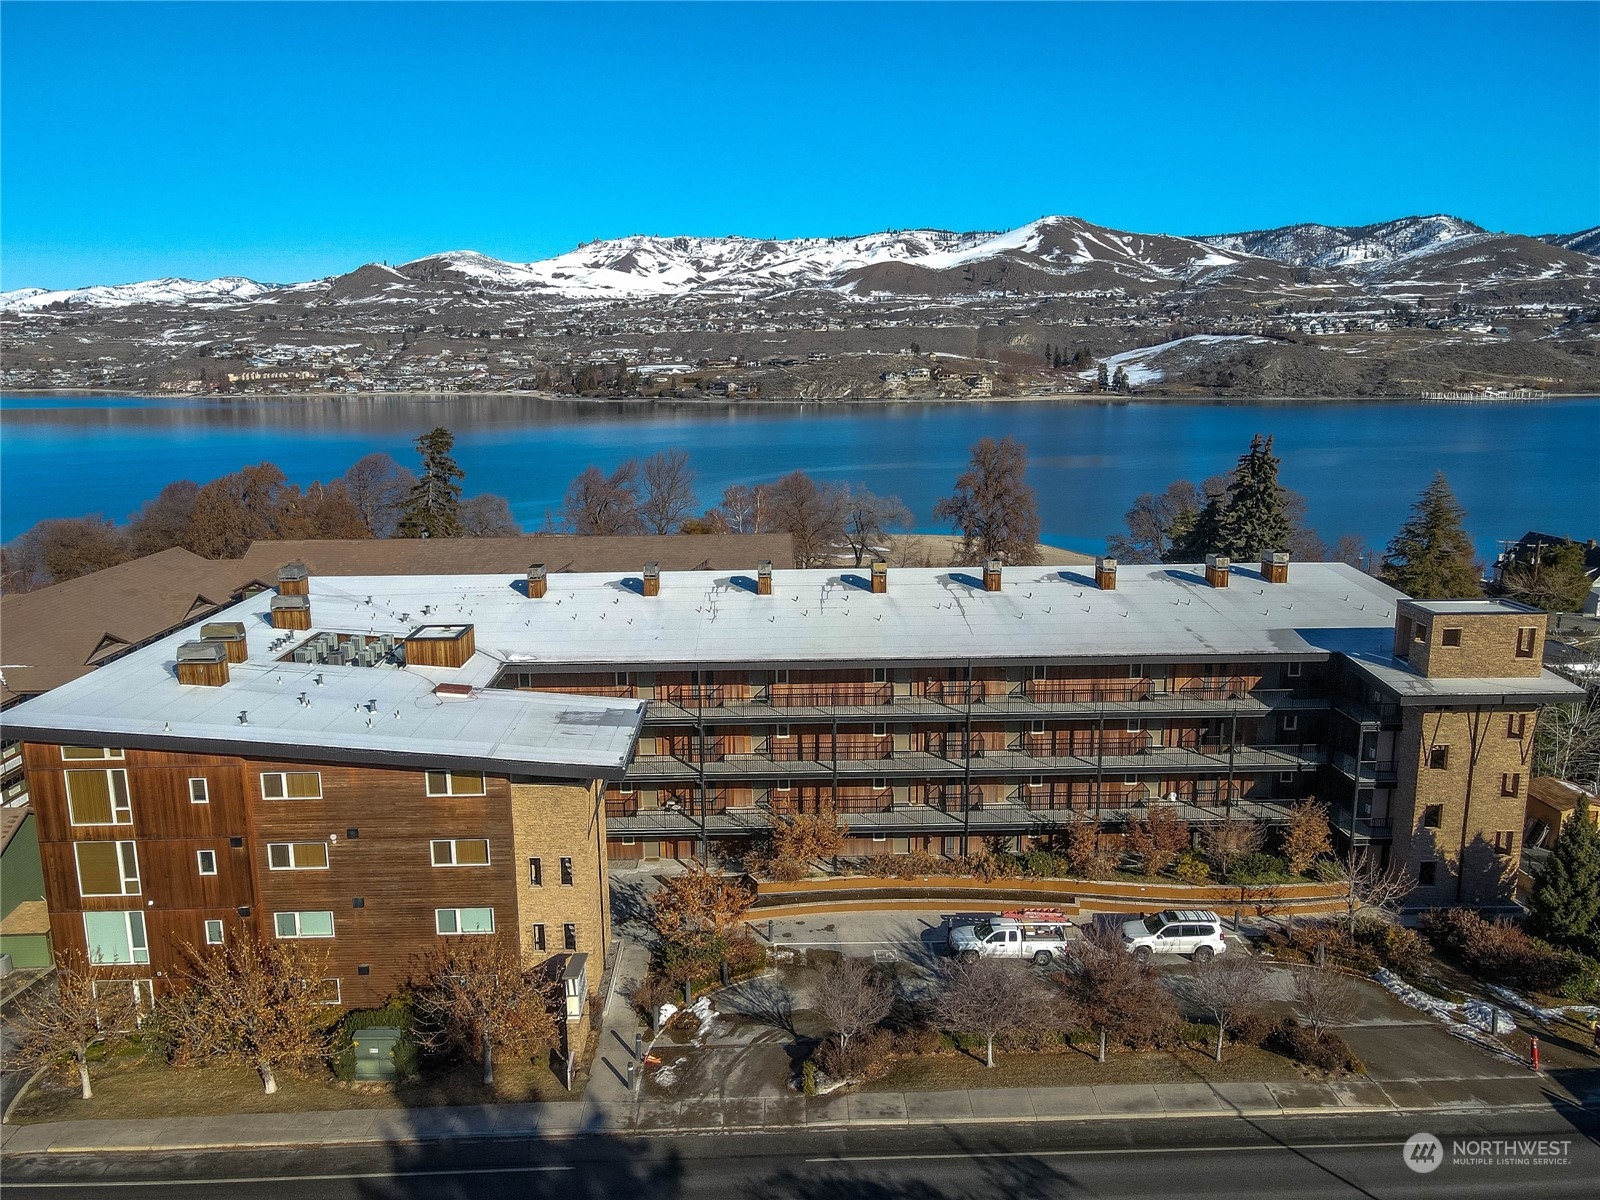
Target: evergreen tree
1103 378
1564 908
1119 381
1431 557
433 506
1254 516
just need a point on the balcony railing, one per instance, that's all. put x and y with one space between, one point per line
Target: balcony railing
1085 691
954 745
689 695
822 748
1232 687
948 797
827 695
974 691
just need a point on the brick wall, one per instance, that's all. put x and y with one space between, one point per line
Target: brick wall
551 821
1488 645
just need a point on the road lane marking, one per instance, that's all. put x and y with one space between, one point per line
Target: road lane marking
1106 1153
156 1183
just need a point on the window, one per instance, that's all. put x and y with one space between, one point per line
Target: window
628 841
1433 816
880 729
1130 781
90 753
1291 723
780 677
569 937
303 924
329 992
199 791
1041 672
566 872
116 938
1135 670
538 937
535 872
625 788
1526 636
880 837
879 785
1285 776
1517 725
1035 726
1293 670
463 920
880 675
461 852
297 856
781 731
455 783
1133 725
206 860
291 785
1504 840
107 868
1427 874
1035 781
213 933
1419 633
143 992
1438 758
1450 637
621 678
98 798
784 785
1511 785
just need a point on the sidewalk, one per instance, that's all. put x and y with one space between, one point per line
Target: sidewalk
596 1115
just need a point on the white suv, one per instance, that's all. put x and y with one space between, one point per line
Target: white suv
1191 931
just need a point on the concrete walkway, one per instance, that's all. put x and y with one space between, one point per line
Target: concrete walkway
1108 1102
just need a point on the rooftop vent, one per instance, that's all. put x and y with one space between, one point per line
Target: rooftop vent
204 664
1217 570
291 612
880 576
294 579
1275 566
229 635
537 583
652 579
1105 573
991 574
764 577
439 646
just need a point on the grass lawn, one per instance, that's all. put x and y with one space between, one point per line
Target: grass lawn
1073 1068
133 1086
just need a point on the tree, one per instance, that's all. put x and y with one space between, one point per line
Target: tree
1200 535
993 508
1351 548
868 517
321 511
1322 999
668 491
476 996
1254 516
59 549
1225 842
1556 579
1564 908
1566 743
1228 988
987 997
1081 846
254 1002
1307 836
432 508
699 902
1364 883
1158 839
232 511
160 523
801 838
600 505
746 509
812 514
1155 522
853 997
1431 557
1102 378
376 485
59 1022
1111 991
488 515
1119 380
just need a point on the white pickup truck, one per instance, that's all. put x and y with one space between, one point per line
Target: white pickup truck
1036 934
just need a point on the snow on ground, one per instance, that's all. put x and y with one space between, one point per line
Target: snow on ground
1140 368
153 291
1473 1021
1563 1012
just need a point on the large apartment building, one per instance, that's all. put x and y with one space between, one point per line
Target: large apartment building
384 762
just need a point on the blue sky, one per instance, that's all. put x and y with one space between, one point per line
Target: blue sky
288 141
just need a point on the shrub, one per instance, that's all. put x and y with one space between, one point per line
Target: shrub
647 995
1504 952
866 1057
1191 868
1259 867
1254 1028
1041 864
808 1077
785 870
1400 949
919 1040
1326 1051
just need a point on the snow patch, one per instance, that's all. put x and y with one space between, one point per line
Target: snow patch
1138 365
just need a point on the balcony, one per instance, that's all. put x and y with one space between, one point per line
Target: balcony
829 695
1083 691
824 748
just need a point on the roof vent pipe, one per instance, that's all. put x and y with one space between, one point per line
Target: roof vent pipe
652 579
991 574
1218 568
1105 573
764 577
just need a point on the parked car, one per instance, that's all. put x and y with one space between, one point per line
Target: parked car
1037 934
1192 931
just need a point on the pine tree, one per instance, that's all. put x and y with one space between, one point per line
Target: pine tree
1254 517
1564 908
1102 378
1431 557
433 507
1119 381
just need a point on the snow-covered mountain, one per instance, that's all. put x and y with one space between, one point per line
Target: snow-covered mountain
1585 241
1358 248
199 293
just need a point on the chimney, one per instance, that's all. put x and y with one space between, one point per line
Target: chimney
652 579
294 580
1105 573
204 664
880 576
291 612
536 582
764 577
991 574
1217 569
1275 566
230 636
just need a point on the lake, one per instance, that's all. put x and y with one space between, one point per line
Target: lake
1515 465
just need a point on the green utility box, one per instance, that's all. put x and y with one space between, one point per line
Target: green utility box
375 1052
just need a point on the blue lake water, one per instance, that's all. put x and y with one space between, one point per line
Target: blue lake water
1515 465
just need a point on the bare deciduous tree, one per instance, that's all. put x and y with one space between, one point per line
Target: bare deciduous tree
987 997
259 1003
1225 842
1228 989
1364 883
160 523
58 1022
604 505
1158 839
746 509
1109 990
1567 743
853 997
1322 999
667 490
488 515
476 996
377 484
868 518
811 513
59 549
1153 523
993 507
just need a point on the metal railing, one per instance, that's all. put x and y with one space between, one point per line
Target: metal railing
1085 691
824 695
821 748
689 695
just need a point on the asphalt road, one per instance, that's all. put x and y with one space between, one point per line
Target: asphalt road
1301 1158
